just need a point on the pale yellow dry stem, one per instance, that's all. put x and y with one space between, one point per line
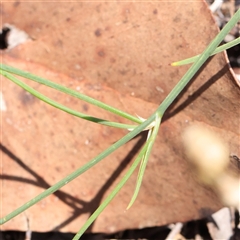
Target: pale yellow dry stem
210 155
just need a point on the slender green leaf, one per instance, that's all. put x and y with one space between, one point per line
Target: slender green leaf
152 134
218 50
69 91
62 107
110 197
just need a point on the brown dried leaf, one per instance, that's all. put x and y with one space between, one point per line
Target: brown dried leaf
119 53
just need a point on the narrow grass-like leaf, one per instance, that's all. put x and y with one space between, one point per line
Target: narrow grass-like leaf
198 64
218 50
62 107
110 197
152 134
69 91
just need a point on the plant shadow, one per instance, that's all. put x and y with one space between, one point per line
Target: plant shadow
73 202
174 110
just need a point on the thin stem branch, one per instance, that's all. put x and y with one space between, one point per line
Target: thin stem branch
218 50
198 64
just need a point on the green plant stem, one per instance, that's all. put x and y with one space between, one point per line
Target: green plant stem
69 91
62 107
80 170
218 50
147 148
197 65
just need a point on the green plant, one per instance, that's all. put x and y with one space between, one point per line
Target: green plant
151 124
